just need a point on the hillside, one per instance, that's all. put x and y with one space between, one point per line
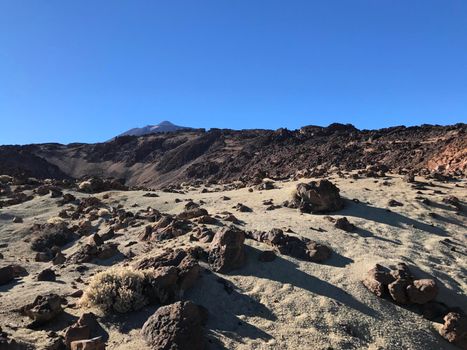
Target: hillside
223 155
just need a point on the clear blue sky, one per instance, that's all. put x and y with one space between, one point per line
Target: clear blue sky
86 70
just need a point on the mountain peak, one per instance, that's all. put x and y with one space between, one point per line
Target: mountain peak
165 123
163 126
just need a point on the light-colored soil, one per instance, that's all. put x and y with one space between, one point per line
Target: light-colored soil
287 303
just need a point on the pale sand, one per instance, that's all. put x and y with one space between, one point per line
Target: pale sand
288 303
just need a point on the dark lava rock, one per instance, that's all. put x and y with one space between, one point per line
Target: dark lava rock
46 275
176 326
43 309
317 197
344 224
454 329
226 251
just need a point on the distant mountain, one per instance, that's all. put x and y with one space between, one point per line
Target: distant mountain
164 126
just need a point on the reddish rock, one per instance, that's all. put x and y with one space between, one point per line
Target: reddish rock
226 251
398 291
454 329
377 279
422 291
88 344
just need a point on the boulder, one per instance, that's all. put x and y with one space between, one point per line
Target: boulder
454 329
422 291
83 329
46 275
226 251
192 213
6 275
48 235
317 197
377 280
10 272
176 326
43 309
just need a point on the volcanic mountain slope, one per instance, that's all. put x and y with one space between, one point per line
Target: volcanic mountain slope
164 126
225 155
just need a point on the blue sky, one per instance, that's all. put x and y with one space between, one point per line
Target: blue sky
86 70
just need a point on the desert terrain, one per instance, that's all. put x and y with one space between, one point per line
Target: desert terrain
286 303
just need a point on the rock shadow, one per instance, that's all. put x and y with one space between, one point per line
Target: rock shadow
286 272
383 216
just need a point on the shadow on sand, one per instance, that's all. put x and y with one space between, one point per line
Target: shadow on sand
383 216
285 271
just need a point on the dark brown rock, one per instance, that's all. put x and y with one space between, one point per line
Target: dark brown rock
422 291
454 329
398 291
344 224
226 252
43 309
176 326
377 279
46 275
317 197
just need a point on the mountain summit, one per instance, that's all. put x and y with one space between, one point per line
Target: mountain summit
164 126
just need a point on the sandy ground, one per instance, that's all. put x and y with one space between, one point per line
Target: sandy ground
287 303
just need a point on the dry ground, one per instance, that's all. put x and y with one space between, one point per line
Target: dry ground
287 303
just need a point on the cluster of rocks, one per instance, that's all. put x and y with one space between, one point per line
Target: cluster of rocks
316 197
300 248
399 284
174 272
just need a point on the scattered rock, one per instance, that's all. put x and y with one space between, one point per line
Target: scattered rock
88 344
46 275
344 224
243 208
377 279
394 203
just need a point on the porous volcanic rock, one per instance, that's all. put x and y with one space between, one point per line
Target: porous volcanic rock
226 252
178 326
317 197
